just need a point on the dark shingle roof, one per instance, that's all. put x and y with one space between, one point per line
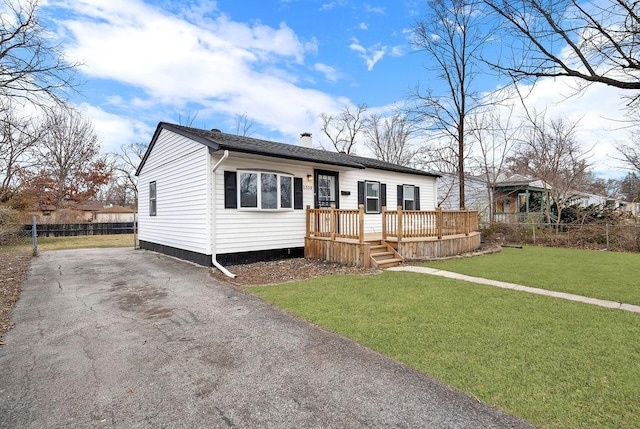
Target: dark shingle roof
217 140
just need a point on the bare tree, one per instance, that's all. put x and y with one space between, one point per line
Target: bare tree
187 119
496 136
123 186
31 68
630 152
390 138
590 41
453 35
629 187
343 129
68 161
18 137
244 125
551 153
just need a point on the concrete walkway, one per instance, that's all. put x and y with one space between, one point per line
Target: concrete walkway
505 285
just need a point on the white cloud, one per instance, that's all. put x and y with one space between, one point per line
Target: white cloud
363 26
330 73
397 51
217 64
332 5
597 109
114 130
370 55
375 9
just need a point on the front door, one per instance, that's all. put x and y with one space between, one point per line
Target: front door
326 189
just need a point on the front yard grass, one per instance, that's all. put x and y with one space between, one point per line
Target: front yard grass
554 363
614 276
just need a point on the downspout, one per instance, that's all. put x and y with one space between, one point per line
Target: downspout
213 254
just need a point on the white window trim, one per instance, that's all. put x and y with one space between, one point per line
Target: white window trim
153 200
405 199
259 191
367 198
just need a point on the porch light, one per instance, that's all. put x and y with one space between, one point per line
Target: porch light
310 177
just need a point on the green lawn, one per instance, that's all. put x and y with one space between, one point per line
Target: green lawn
79 242
606 275
554 363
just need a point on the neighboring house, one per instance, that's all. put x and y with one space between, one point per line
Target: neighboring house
519 199
68 212
212 197
114 214
475 193
522 199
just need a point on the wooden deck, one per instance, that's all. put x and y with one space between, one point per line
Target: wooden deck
338 236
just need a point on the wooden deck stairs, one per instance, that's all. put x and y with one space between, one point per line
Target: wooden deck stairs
383 255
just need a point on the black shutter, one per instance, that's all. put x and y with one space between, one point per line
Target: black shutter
360 193
400 196
383 195
298 204
230 190
417 197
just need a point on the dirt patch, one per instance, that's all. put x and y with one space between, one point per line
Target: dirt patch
13 271
285 270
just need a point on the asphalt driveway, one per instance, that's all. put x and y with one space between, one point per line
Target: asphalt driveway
124 338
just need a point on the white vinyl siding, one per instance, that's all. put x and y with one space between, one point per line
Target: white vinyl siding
238 230
190 200
246 230
179 167
373 222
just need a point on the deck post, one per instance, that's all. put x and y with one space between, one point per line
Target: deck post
308 219
332 222
399 231
439 222
384 223
361 223
467 226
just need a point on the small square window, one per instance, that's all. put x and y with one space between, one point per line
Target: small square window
372 197
152 198
408 197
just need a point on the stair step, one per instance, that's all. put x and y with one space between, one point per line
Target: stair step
389 263
383 255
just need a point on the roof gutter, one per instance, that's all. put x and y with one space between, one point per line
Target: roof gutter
213 253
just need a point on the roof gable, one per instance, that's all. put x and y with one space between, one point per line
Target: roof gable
217 140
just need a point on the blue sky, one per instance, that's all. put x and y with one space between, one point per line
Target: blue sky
280 62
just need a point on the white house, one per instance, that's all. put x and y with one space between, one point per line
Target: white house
216 198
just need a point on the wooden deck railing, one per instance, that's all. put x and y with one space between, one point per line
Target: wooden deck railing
437 223
336 223
396 224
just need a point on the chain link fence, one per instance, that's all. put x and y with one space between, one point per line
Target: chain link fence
14 237
614 237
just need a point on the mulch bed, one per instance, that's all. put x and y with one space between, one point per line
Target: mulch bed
285 270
